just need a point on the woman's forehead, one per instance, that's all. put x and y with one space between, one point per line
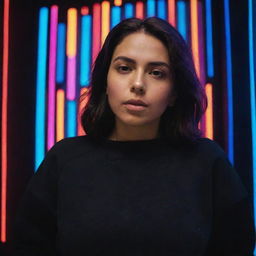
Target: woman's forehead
141 47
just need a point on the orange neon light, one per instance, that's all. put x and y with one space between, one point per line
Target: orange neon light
117 2
194 34
82 104
171 12
71 32
139 10
4 118
105 16
209 112
84 10
60 114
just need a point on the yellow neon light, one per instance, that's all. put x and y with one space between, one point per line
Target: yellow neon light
60 116
209 112
71 32
194 34
105 17
118 2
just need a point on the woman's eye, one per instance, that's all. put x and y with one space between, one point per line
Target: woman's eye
158 74
123 68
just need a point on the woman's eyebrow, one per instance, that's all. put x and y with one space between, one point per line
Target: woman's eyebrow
154 63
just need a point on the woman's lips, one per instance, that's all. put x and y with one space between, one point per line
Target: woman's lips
135 107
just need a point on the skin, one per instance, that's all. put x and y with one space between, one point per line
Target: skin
141 81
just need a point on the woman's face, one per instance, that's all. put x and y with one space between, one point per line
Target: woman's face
139 70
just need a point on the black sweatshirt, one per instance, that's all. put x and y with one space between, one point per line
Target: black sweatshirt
135 198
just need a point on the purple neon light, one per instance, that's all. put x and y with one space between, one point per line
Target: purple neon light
71 78
51 77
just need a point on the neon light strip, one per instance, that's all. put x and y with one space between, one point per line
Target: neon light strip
209 112
71 53
61 53
181 19
85 50
115 15
117 2
194 34
229 83
252 98
51 77
82 104
139 10
41 87
85 10
105 12
60 114
71 119
151 8
96 43
171 12
209 46
161 9
4 118
128 10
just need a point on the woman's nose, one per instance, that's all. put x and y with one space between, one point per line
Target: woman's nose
138 84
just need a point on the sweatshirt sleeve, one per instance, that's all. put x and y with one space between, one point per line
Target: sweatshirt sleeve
233 232
35 224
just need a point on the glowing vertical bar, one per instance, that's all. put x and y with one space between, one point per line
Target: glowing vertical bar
128 10
71 53
4 118
82 104
41 87
194 34
105 15
85 56
151 8
229 82
209 112
115 15
60 114
71 118
252 98
85 10
51 77
139 10
161 9
209 46
60 72
117 2
172 12
181 19
96 31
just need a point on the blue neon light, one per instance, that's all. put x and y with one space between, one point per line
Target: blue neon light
181 19
229 83
60 69
115 15
151 8
252 98
41 87
128 10
71 119
161 9
209 42
85 56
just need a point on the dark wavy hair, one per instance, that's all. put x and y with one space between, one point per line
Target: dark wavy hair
180 121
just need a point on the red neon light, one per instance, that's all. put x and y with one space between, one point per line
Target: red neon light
84 10
139 10
4 118
96 39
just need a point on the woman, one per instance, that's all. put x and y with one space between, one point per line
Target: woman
142 181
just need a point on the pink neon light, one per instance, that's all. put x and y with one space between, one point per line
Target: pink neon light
96 31
51 78
71 78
